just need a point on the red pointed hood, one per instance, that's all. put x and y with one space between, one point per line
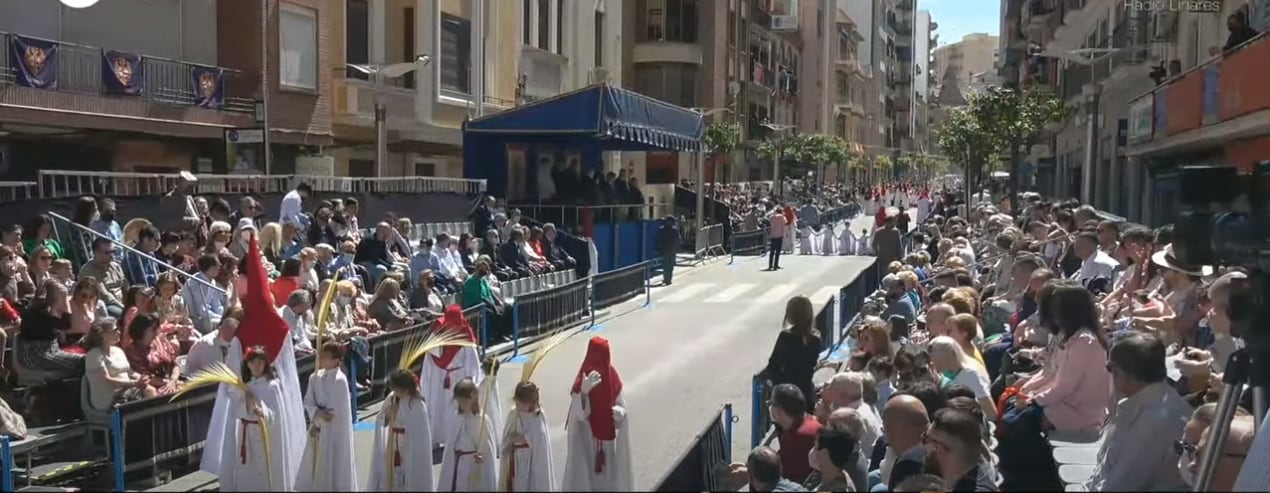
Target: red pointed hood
603 396
452 320
262 325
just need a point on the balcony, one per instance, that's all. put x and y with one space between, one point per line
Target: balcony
167 92
1219 102
760 16
1079 19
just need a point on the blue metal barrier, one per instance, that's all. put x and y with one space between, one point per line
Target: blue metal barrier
699 467
617 286
759 420
553 309
6 461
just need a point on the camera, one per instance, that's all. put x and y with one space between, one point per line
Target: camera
1225 221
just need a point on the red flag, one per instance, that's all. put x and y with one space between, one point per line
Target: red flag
262 325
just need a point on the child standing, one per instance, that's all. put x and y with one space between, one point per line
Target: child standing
469 463
327 463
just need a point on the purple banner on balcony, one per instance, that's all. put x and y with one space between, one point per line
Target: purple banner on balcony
34 62
208 86
1212 99
1161 113
122 73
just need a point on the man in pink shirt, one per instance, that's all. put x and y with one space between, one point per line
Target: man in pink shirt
777 236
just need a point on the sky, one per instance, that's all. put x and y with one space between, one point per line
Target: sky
957 18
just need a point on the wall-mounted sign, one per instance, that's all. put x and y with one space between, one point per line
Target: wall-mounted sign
1141 118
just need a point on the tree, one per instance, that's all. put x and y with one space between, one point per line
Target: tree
722 138
1016 119
967 142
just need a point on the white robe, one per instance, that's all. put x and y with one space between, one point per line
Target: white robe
249 469
327 463
526 464
440 399
579 466
289 436
923 209
459 460
828 241
848 245
807 244
414 446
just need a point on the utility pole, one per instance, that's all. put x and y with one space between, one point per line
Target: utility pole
265 88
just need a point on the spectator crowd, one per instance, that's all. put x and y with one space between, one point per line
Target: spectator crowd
994 339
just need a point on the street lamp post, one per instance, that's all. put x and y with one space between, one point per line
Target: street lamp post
380 74
701 177
776 157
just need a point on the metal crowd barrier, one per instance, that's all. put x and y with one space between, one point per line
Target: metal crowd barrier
431 230
67 183
525 285
714 239
617 286
386 348
12 191
545 312
147 432
750 242
847 303
699 467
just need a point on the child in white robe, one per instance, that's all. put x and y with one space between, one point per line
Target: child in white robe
327 463
445 367
599 450
527 464
249 467
469 463
401 459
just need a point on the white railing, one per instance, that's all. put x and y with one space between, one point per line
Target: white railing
65 183
12 191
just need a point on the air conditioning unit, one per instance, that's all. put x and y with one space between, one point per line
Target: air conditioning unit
598 75
784 23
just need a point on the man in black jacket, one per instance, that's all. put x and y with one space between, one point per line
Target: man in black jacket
483 216
552 250
373 253
668 239
510 252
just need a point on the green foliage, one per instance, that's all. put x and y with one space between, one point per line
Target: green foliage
722 138
882 161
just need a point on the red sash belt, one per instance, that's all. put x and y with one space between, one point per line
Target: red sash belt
454 478
599 457
396 453
242 439
511 465
446 383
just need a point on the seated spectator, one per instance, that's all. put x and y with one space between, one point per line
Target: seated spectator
40 268
489 247
386 307
85 307
400 245
109 376
143 269
43 327
109 275
1075 399
320 230
15 280
271 242
468 252
957 368
204 301
847 390
152 355
1136 452
298 314
937 315
955 442
373 254
904 421
898 302
292 242
39 232
1094 263
763 471
344 266
964 327
798 430
837 451
213 346
552 249
534 250
350 310
447 267
1233 455
883 371
512 254
309 278
220 236
425 296
288 281
10 320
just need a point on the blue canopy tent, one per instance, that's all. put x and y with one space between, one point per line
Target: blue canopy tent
590 120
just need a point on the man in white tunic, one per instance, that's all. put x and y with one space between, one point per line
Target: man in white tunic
446 367
599 450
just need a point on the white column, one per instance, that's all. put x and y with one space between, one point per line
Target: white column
378 31
478 55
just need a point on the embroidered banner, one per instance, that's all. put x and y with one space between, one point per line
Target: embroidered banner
34 62
122 73
208 86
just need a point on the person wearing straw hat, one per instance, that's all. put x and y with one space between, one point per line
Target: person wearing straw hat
1182 312
599 447
327 463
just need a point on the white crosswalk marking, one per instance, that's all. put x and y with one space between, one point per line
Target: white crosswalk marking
822 296
779 293
729 294
687 292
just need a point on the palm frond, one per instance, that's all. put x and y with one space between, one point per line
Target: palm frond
324 310
215 374
487 388
420 346
530 366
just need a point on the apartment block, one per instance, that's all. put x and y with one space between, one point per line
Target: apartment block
94 92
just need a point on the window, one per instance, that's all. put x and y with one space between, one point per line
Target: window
673 21
456 54
356 38
526 18
408 44
361 168
559 27
425 169
544 25
675 83
599 39
297 47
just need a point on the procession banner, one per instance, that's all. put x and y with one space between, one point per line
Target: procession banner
208 86
34 62
122 73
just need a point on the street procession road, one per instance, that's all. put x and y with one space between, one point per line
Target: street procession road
682 358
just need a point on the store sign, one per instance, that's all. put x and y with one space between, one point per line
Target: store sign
1141 114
